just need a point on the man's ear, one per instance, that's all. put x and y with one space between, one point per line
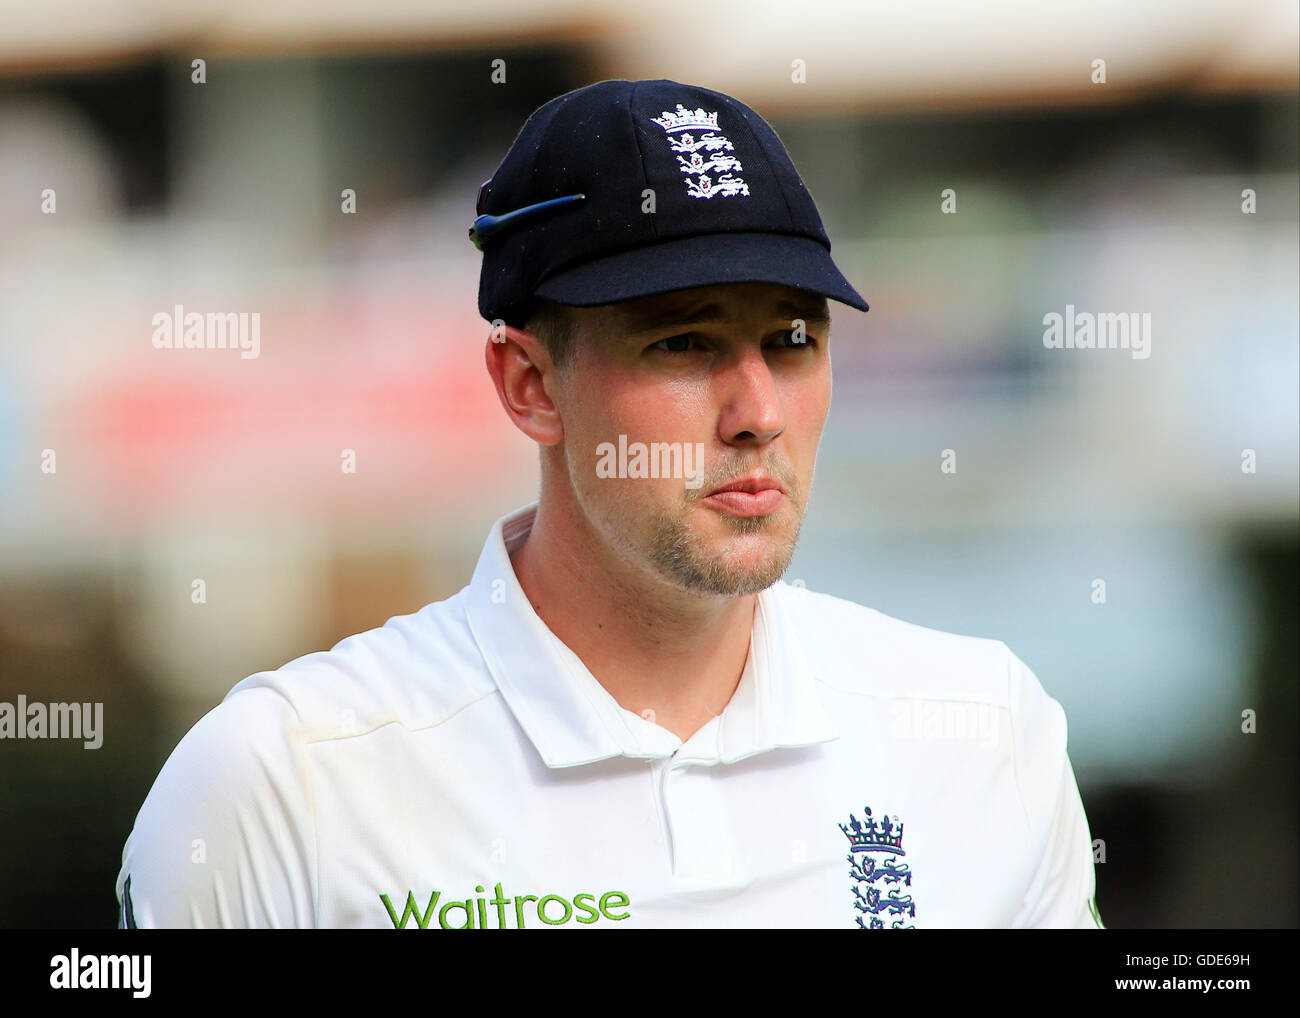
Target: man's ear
524 377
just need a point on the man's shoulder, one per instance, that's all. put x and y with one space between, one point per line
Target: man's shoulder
415 670
857 649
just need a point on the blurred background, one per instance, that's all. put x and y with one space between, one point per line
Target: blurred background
1164 181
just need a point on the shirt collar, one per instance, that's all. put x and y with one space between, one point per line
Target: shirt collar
572 719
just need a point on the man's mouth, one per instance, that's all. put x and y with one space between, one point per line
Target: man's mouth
755 495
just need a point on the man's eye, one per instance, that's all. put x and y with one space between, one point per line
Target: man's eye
674 344
792 340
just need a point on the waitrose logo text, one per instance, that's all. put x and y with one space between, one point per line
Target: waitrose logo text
550 909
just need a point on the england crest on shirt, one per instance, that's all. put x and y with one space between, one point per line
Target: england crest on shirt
703 154
881 880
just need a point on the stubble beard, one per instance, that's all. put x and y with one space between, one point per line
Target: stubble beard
676 554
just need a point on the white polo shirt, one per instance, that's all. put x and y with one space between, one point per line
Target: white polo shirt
460 766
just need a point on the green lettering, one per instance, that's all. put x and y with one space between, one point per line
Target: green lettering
585 908
469 915
616 899
499 903
613 905
541 910
519 906
411 910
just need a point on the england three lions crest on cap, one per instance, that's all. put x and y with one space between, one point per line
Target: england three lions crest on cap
704 157
875 851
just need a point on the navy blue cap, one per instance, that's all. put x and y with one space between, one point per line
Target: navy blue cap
567 216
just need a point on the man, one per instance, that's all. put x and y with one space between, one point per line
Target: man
626 719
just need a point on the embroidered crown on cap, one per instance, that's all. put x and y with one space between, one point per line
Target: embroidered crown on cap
687 120
699 183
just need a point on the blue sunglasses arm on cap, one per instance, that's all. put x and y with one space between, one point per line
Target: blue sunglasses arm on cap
486 227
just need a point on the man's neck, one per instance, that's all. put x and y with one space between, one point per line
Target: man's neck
654 647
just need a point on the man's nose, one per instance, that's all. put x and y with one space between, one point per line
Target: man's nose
751 411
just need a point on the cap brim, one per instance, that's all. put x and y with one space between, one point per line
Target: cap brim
709 260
